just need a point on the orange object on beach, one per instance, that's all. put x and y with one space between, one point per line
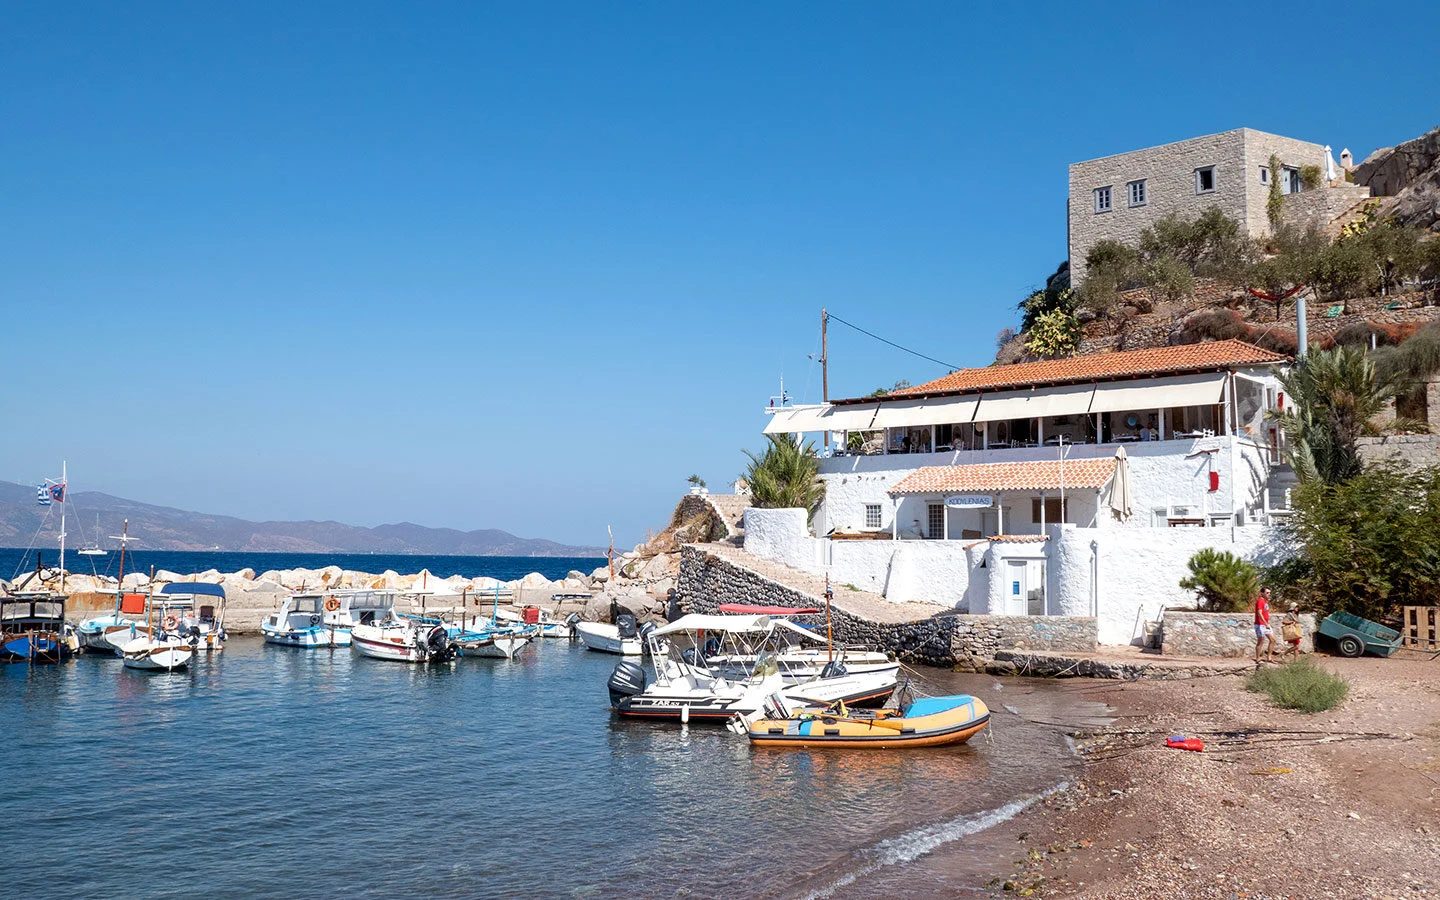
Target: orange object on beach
1181 742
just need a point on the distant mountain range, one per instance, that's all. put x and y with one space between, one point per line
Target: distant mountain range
164 528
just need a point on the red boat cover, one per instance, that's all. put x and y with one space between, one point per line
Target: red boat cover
746 609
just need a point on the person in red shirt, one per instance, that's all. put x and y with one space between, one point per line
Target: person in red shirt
1263 634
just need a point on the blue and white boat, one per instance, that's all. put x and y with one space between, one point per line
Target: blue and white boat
33 629
489 638
326 619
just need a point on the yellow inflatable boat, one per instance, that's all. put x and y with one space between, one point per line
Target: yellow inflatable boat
923 722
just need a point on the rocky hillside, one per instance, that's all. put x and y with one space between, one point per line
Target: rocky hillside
166 528
1408 177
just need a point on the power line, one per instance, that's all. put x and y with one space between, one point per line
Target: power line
893 344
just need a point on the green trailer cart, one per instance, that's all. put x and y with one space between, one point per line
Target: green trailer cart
1354 636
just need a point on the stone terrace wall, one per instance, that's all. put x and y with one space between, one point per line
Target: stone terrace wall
1413 450
1223 634
708 580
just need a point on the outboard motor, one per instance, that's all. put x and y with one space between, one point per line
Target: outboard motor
625 623
437 644
627 680
646 630
570 622
834 669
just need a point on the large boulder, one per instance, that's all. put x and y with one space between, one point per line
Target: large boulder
597 609
534 580
601 574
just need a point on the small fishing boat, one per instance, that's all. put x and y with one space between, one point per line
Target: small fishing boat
547 626
196 618
407 639
687 689
33 628
161 652
325 620
622 638
919 722
108 633
495 643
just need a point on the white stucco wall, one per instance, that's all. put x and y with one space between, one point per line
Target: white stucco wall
1176 473
1139 570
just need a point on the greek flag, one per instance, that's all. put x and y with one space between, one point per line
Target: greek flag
42 496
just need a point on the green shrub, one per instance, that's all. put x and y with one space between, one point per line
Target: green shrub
785 476
1054 334
1311 176
1301 685
1223 581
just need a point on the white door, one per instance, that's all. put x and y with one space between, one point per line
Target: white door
1017 588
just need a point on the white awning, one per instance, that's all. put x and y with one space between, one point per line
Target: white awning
699 622
1063 400
851 418
1159 393
932 411
796 421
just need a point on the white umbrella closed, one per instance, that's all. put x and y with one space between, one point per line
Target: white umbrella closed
1330 173
1120 498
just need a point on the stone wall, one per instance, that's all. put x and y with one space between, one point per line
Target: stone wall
707 580
1317 209
1223 634
1411 449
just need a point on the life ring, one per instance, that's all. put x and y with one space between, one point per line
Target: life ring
314 620
331 604
169 623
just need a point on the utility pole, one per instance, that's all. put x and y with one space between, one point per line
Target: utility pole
825 364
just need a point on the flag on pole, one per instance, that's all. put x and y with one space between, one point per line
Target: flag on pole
42 496
57 492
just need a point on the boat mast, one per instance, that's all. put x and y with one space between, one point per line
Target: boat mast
829 635
120 581
62 526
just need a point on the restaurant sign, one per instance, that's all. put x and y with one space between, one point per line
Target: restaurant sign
969 501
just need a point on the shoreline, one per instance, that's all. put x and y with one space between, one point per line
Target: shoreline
1343 803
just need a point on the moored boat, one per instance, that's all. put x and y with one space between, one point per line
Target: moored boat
326 619
408 639
495 643
684 687
622 638
160 652
33 628
194 603
920 722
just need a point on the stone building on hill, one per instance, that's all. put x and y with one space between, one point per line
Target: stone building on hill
1117 197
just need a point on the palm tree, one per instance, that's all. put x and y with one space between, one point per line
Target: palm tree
1336 393
785 476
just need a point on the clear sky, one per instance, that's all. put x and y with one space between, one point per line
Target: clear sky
529 265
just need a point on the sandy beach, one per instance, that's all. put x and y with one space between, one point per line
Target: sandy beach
1281 804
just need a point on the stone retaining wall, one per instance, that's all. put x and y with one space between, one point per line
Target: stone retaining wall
707 580
1413 450
1223 634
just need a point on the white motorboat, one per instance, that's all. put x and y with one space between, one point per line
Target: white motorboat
407 639
802 654
622 638
687 689
548 625
193 604
326 620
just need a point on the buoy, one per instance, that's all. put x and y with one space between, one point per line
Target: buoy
1180 742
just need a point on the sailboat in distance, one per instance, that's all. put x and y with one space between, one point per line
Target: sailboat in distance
94 549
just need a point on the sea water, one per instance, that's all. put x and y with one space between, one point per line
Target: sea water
267 771
16 562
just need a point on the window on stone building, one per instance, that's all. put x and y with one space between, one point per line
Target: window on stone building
1289 180
1264 174
936 520
1102 199
1137 192
872 515
1205 180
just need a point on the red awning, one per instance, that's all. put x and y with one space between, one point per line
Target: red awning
746 609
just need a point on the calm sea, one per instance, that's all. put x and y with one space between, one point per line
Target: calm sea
15 562
271 772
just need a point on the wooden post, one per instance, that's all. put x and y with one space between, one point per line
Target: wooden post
824 364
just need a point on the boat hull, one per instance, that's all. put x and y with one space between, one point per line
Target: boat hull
961 718
606 639
720 707
308 638
157 656
38 647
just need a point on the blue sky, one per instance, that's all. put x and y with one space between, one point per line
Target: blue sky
528 266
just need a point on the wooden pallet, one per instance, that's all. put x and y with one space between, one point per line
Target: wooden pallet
1420 627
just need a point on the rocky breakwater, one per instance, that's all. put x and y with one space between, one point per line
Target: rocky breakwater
251 596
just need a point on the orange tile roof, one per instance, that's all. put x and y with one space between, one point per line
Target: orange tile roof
1098 366
986 478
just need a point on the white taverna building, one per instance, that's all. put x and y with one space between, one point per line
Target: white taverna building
1072 487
